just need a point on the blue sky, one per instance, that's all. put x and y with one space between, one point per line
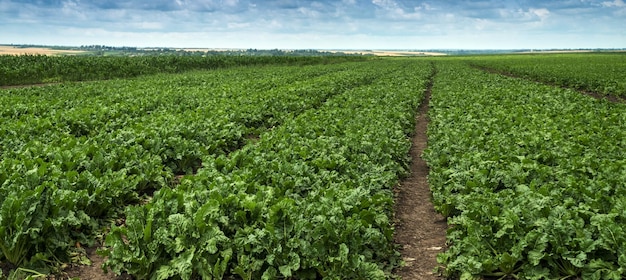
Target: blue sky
322 24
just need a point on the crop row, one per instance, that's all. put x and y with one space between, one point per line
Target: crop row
244 95
101 146
531 178
34 69
312 198
593 72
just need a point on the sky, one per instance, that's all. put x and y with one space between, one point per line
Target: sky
321 24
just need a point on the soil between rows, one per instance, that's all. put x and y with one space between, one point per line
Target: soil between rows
420 231
93 271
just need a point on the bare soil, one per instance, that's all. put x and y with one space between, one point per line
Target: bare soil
5 267
420 231
30 85
93 271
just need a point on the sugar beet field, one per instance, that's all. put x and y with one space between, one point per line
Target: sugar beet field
172 167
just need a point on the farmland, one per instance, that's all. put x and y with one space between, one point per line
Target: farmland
14 50
592 72
530 176
267 168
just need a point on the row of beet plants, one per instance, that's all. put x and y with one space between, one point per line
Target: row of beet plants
531 178
88 109
59 185
593 72
310 199
35 69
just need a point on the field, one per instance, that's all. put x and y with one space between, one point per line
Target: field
300 168
530 176
390 52
11 50
593 72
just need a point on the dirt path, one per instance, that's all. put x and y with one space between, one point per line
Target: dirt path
26 86
93 271
420 231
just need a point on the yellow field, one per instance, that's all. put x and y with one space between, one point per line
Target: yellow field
365 52
10 50
390 53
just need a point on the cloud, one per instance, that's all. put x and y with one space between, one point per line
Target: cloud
528 15
615 3
394 10
541 13
309 23
284 4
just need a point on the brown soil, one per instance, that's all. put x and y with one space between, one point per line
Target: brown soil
91 272
611 98
5 267
420 231
25 86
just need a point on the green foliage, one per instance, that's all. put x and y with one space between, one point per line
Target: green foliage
312 198
36 69
530 177
292 169
159 242
595 72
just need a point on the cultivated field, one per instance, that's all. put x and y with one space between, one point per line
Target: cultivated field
11 50
389 52
363 52
301 168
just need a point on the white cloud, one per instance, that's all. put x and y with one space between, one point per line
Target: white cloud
615 3
309 13
424 7
520 15
71 9
387 4
394 11
231 3
541 13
